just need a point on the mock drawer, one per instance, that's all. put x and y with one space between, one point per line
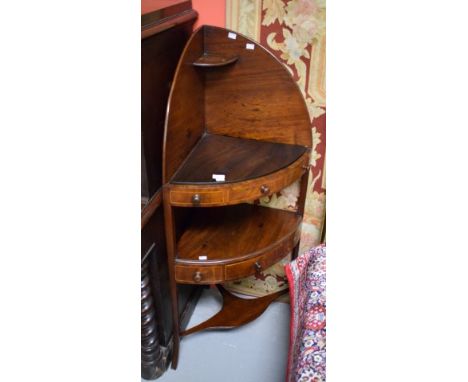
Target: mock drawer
251 266
257 190
198 275
261 262
193 198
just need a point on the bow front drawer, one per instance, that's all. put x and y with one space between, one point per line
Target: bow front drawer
195 198
199 275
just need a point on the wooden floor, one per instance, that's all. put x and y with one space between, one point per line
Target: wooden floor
255 352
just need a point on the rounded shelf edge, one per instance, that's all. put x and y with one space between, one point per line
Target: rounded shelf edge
204 273
213 60
223 194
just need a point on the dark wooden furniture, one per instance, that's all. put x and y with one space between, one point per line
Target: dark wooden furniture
166 27
237 129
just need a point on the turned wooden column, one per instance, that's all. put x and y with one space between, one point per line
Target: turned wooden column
153 355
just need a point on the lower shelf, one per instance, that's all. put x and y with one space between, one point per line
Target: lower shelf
235 312
228 243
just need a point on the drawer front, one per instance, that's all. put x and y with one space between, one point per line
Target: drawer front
257 190
188 274
259 263
193 198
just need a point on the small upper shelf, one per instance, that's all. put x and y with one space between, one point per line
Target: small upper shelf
237 159
212 60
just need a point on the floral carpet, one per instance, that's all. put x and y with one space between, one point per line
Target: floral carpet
307 286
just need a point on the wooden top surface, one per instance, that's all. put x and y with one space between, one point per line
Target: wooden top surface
154 11
167 6
237 158
226 234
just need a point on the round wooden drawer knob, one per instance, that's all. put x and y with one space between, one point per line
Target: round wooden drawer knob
258 267
197 277
196 199
264 189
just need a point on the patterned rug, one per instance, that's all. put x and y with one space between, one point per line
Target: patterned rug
307 350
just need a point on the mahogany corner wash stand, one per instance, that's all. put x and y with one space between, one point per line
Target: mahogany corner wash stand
237 129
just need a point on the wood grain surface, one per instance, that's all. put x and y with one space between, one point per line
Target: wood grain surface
237 158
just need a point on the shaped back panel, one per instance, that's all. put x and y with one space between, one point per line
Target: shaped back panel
222 87
255 97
